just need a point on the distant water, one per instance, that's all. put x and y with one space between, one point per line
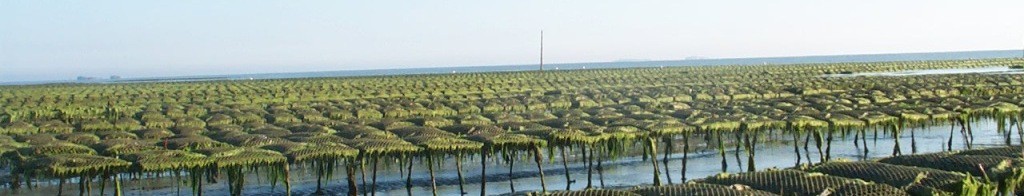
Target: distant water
980 70
573 66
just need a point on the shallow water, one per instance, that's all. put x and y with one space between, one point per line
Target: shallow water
624 172
978 70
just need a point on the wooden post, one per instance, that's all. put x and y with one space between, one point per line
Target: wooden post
686 150
287 179
458 166
362 172
664 160
511 164
750 151
483 170
81 185
565 168
350 171
864 141
949 143
590 164
408 177
374 189
896 137
736 149
796 144
721 152
600 169
828 145
654 161
319 175
430 167
538 158
60 187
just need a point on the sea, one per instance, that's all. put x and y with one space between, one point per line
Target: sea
570 66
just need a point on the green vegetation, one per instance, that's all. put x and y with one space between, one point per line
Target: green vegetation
697 189
269 127
918 181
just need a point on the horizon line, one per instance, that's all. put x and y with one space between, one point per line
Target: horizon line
73 81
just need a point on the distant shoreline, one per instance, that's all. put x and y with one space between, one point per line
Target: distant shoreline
954 55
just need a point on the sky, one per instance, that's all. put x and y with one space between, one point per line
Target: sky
58 40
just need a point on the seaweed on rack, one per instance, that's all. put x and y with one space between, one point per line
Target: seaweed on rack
700 189
189 131
506 118
938 114
316 138
908 116
37 139
190 142
1009 151
537 116
577 136
806 122
166 160
115 147
757 122
445 145
314 148
415 131
82 138
251 140
990 164
74 165
625 132
1003 171
572 131
907 177
666 127
19 128
872 117
152 133
844 121
9 145
793 182
588 192
362 131
323 151
501 140
474 120
55 126
433 121
382 146
271 131
105 135
312 129
242 156
55 148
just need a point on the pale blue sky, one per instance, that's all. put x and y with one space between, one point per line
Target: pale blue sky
52 40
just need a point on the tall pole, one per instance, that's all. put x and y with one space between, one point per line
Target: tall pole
1021 51
542 50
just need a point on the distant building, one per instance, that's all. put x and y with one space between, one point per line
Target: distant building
86 78
115 77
